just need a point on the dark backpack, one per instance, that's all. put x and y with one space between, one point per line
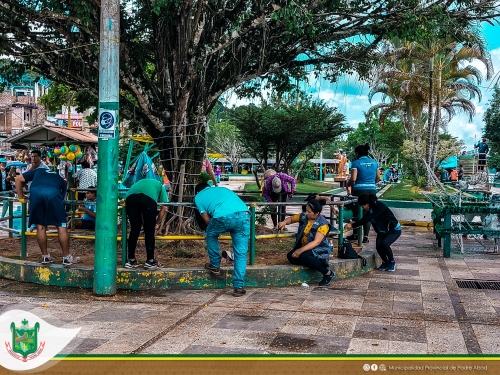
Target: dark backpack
346 251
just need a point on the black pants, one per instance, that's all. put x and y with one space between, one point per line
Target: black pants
383 245
141 211
308 260
481 162
355 210
281 210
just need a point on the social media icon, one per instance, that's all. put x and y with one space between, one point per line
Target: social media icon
366 367
374 367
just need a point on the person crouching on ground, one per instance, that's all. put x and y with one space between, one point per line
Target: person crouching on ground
88 219
223 211
311 247
47 208
141 204
384 223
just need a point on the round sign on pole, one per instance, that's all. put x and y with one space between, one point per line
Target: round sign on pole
107 123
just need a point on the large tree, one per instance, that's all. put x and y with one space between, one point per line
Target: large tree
492 129
284 131
178 57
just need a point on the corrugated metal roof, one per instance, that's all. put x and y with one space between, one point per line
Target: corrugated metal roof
52 134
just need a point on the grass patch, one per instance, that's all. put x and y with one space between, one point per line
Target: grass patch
404 191
306 187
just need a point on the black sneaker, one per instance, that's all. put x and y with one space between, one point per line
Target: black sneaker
239 292
383 266
327 279
391 267
213 270
352 237
365 239
152 265
47 259
131 264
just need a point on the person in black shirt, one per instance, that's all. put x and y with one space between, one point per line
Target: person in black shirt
384 223
483 150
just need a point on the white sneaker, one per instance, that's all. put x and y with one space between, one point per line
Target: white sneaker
47 259
70 259
228 256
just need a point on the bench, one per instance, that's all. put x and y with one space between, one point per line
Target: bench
454 220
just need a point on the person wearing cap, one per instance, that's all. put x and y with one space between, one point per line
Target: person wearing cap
223 211
483 149
277 186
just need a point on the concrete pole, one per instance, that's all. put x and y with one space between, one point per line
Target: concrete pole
107 172
321 165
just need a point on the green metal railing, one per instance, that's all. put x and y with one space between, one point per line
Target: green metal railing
123 238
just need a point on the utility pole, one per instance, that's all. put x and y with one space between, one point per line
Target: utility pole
107 173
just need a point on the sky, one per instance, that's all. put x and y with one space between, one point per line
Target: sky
350 95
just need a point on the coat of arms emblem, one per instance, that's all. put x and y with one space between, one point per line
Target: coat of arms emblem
24 341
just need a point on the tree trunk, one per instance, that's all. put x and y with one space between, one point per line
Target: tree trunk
437 120
430 111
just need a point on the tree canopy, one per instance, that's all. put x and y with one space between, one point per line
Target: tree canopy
492 128
286 130
178 57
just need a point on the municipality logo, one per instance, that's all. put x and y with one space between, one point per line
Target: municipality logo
24 344
28 342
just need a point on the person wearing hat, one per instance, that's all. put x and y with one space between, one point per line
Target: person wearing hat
277 186
483 149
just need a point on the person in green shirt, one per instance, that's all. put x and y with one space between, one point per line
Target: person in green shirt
141 203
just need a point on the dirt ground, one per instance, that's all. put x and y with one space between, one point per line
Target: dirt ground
171 254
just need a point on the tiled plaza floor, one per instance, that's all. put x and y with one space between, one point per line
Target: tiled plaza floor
418 309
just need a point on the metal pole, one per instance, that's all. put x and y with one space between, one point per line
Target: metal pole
252 235
129 155
447 236
107 173
23 229
321 165
11 214
340 223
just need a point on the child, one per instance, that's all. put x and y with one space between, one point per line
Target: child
88 219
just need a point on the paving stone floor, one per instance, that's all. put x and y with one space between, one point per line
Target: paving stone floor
418 309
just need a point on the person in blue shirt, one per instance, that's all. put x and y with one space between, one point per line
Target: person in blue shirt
223 211
364 176
88 219
47 193
384 223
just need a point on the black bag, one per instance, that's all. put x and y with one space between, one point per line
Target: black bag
346 251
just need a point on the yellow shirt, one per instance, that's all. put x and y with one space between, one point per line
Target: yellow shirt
322 229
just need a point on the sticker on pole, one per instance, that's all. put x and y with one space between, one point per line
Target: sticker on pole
107 124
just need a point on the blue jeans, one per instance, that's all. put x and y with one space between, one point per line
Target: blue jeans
238 226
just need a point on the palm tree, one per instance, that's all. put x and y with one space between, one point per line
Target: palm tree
429 77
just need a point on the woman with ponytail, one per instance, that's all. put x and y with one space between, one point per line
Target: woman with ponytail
364 176
311 247
384 223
